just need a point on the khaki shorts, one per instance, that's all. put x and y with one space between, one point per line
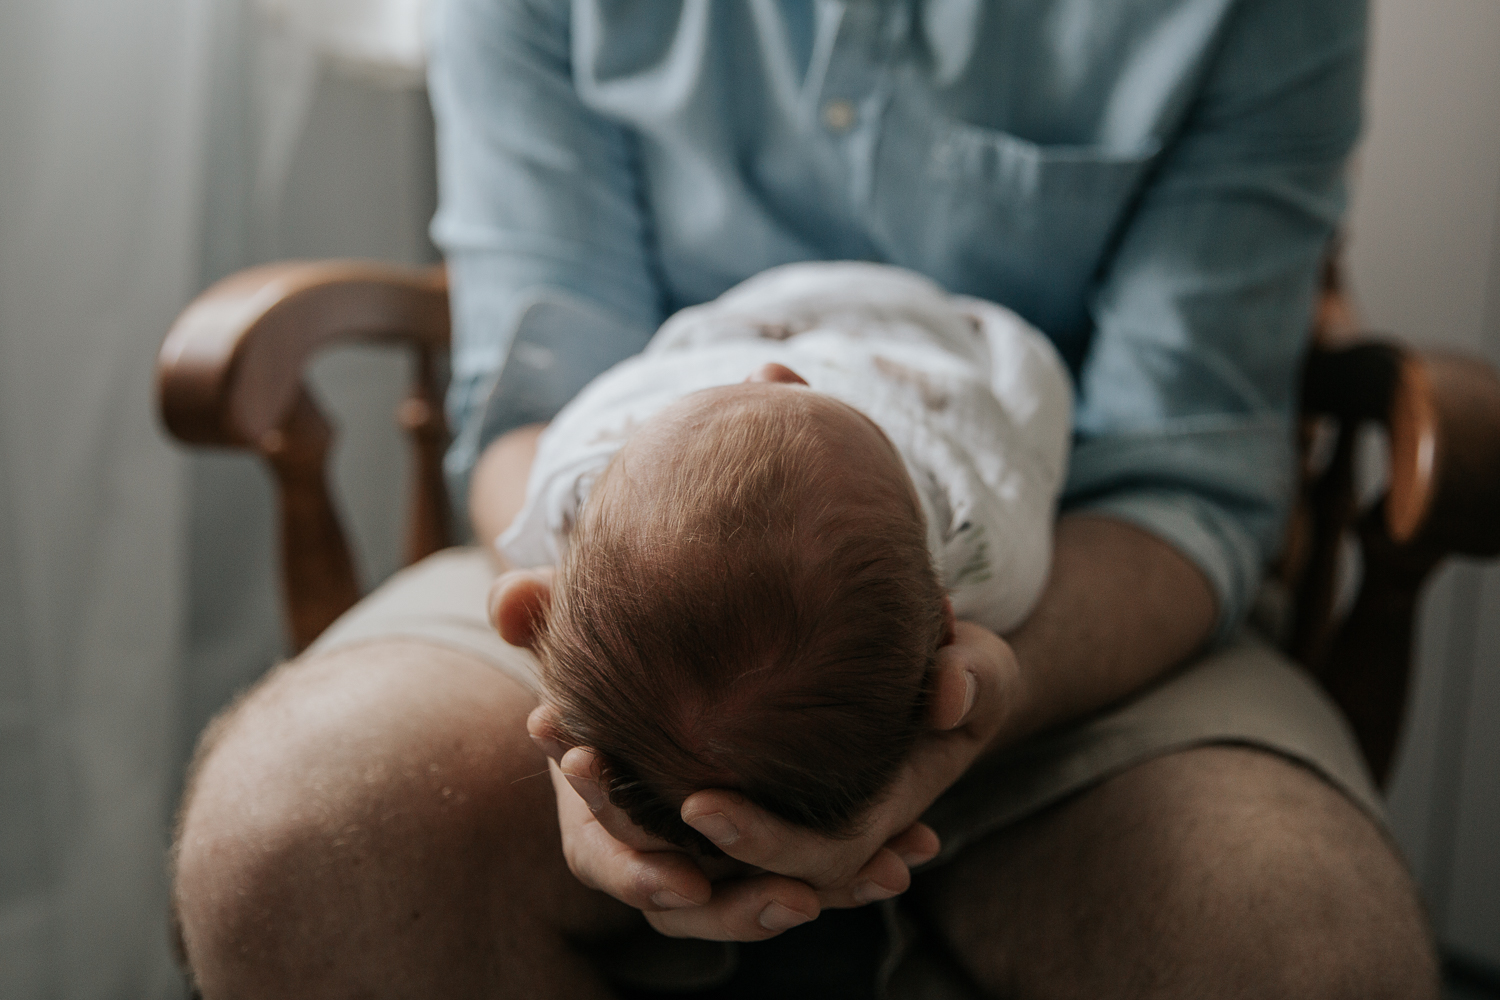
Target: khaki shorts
1247 694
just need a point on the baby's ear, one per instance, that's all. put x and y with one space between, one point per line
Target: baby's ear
519 602
950 623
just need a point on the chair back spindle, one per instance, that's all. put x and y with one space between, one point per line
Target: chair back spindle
421 415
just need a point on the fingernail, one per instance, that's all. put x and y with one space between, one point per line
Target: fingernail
911 858
716 827
871 892
971 691
669 900
776 917
587 790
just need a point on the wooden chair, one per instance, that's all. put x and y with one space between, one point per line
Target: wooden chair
231 374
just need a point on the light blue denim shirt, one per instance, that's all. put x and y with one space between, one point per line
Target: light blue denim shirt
1150 182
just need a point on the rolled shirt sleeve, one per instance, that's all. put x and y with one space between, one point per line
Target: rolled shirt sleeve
540 223
1187 395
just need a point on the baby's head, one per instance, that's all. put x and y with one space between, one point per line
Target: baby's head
747 602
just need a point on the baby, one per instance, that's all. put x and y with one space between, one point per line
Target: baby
764 525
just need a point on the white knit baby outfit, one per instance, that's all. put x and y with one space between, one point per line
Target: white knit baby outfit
976 401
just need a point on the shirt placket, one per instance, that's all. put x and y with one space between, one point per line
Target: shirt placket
856 87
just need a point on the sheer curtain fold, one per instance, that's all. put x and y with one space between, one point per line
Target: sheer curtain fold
138 159
100 177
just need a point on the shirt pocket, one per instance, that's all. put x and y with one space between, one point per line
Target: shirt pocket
1029 186
992 214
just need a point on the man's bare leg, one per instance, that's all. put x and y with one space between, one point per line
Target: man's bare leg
1215 872
376 823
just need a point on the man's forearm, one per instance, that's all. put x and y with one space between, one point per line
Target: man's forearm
497 490
1120 608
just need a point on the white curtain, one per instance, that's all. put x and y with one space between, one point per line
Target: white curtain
100 169
132 133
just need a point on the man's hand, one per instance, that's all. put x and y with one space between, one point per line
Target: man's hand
976 684
787 874
607 852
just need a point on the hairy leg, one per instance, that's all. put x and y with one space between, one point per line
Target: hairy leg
376 823
1213 872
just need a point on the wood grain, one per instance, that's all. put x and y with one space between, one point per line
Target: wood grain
231 374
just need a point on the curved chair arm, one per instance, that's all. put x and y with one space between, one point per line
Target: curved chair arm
1441 414
231 374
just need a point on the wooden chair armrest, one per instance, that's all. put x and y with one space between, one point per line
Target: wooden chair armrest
1441 411
230 368
1441 414
231 374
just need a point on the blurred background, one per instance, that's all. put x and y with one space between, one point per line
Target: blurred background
149 147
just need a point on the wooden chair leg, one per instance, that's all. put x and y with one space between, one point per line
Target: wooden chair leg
317 570
1366 666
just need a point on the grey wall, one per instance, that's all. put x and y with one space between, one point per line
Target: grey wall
1424 259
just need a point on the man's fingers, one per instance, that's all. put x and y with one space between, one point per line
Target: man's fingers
646 880
976 689
883 876
756 837
975 684
748 909
888 873
668 886
916 845
580 769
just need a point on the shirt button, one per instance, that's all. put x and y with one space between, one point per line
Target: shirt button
838 115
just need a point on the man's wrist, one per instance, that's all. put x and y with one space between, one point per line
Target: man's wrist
1120 608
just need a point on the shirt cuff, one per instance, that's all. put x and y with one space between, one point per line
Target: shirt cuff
558 343
1216 489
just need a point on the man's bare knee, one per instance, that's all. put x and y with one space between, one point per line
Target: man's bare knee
1215 872
1275 881
375 819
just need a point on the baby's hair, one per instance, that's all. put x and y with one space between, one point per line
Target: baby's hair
754 615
